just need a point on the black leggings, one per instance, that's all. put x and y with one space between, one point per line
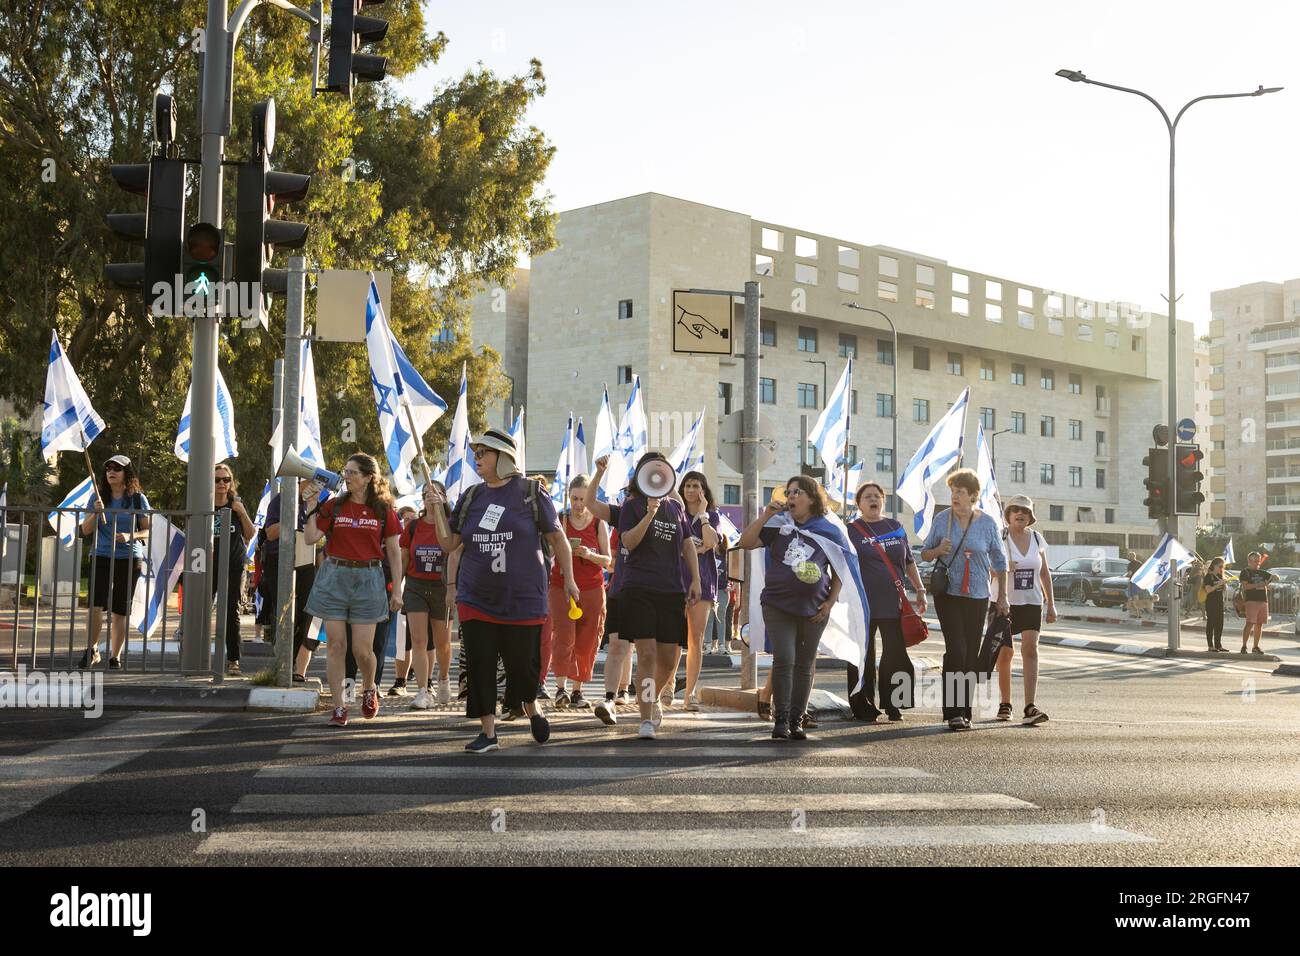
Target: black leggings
962 621
1214 624
520 648
897 677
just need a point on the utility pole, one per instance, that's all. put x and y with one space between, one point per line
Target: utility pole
285 624
749 462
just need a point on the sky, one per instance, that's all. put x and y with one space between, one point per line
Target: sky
938 127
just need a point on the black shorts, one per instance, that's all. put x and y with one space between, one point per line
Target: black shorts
658 616
611 615
122 573
1026 617
424 596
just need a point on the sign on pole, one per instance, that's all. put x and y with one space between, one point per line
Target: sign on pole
1186 430
702 323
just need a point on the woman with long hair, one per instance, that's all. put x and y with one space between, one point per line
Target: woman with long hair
1214 585
703 519
575 643
120 531
361 529
425 599
231 543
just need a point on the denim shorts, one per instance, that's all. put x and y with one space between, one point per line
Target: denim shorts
355 595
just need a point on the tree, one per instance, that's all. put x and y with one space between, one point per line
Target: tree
445 193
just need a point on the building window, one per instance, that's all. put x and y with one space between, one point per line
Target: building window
1102 404
805 274
852 452
1101 444
807 395
1076 430
1018 471
1110 516
1017 375
920 410
847 281
1055 326
1076 384
1055 513
445 335
887 291
1101 477
1018 423
1076 477
924 299
1047 427
988 419
960 305
960 282
925 276
767 333
807 339
887 266
624 309
954 363
884 405
849 258
992 312
764 265
1137 343
625 375
724 398
885 351
988 370
884 459
1025 320
920 358
848 345
731 494
1047 476
767 391
1047 379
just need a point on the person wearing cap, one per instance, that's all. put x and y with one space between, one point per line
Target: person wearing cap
120 532
1030 589
967 544
504 525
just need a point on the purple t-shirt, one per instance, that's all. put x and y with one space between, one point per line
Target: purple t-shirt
708 561
882 594
783 589
615 577
655 563
502 570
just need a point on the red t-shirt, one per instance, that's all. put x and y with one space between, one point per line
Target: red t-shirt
420 538
585 574
353 530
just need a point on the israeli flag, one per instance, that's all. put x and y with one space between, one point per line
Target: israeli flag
65 524
689 455
563 467
460 472
405 402
68 423
308 444
1154 572
227 446
578 451
606 434
260 520
163 571
837 481
990 501
633 436
517 433
317 630
1228 557
845 636
727 529
831 432
937 454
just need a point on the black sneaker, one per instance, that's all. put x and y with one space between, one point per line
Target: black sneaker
894 714
481 744
1256 650
807 722
90 658
299 679
410 675
398 689
114 664
541 728
578 701
561 700
511 713
542 695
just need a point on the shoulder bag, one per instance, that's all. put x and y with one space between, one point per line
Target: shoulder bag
939 575
915 630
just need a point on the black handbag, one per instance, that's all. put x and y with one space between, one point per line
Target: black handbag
939 573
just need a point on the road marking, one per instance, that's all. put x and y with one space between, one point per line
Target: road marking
577 751
483 841
31 779
578 801
485 771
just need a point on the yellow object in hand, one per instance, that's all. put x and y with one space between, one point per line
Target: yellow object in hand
575 612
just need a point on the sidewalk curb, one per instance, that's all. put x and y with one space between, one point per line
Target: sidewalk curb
295 700
1131 622
1287 670
1143 650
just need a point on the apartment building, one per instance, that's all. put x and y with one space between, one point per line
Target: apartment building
1072 384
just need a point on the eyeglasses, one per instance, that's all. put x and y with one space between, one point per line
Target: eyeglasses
222 479
795 491
480 451
351 473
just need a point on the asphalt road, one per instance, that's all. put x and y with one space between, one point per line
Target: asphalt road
1144 762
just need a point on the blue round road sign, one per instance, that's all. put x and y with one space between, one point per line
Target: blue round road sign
1186 430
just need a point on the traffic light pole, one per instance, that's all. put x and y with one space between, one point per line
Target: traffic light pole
284 617
749 464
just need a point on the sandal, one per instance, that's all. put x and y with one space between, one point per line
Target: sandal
765 709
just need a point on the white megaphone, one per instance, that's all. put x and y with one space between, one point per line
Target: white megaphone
655 478
295 466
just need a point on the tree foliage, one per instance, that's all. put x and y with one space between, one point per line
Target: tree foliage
445 192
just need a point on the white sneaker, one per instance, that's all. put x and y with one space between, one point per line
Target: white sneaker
422 700
693 703
647 731
656 714
604 710
444 691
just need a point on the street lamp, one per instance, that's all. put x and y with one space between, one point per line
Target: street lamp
822 400
1077 76
993 447
893 481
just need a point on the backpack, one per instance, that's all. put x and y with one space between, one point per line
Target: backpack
530 498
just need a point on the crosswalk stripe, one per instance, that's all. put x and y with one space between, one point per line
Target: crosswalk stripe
578 801
621 841
485 771
578 751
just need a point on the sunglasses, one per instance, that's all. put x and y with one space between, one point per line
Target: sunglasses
1017 510
113 466
222 479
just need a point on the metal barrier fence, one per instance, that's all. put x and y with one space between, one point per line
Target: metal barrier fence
68 582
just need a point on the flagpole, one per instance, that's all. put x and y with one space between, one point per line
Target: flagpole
90 467
419 446
848 426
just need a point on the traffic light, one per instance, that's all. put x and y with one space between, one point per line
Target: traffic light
204 254
348 33
1187 479
1157 483
162 182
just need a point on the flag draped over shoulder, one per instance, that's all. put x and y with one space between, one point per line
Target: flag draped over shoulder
224 419
845 636
68 422
937 454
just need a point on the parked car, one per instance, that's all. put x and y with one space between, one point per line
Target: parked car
1080 580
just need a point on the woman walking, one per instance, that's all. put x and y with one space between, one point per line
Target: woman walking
704 520
618 652
965 545
505 523
884 559
575 643
350 593
424 599
1031 589
304 644
799 591
120 529
1214 585
230 543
